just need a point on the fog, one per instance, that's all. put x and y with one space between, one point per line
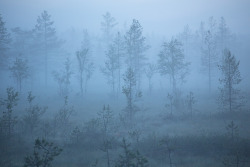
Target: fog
124 83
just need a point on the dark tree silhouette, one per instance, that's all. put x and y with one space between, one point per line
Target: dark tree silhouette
19 71
4 42
230 98
43 155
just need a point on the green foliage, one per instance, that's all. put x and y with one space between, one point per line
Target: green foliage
43 154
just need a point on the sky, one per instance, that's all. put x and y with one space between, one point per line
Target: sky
156 16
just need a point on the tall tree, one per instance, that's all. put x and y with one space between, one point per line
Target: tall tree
135 46
106 124
21 41
223 33
19 71
45 38
63 78
172 62
108 25
33 115
85 64
43 154
4 41
129 89
185 37
230 98
111 67
150 70
119 49
209 51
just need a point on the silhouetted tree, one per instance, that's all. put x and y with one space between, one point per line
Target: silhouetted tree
150 70
130 158
43 154
170 104
129 89
172 62
230 98
106 120
209 51
19 71
7 125
22 42
7 120
168 145
135 47
32 118
224 33
111 67
190 101
185 37
45 39
63 78
85 65
107 26
62 118
4 42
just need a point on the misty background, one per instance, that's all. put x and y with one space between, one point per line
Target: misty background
148 80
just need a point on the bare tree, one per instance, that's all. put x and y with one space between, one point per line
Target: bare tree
85 65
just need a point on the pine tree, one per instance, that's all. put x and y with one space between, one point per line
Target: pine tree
108 25
230 98
45 39
129 89
43 155
111 67
19 71
209 51
172 62
63 78
4 42
135 47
